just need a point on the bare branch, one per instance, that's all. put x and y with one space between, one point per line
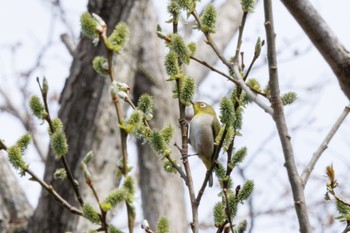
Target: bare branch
323 38
69 43
279 118
310 166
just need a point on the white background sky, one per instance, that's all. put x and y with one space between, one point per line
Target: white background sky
26 26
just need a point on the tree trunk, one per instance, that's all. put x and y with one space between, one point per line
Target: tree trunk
90 122
15 208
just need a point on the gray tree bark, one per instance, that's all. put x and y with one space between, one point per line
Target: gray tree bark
15 208
90 123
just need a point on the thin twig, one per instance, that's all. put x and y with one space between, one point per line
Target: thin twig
279 118
63 159
184 152
317 154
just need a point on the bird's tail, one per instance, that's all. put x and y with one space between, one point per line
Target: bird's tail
210 180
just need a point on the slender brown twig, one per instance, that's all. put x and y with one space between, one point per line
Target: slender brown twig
324 144
279 118
63 159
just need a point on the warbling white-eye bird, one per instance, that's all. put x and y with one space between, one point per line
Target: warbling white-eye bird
204 127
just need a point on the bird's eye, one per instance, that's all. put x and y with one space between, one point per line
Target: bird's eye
203 105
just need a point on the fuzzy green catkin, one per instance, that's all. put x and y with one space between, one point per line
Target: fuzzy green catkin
113 229
88 25
248 5
36 107
227 115
100 65
16 158
192 47
90 213
289 98
157 142
242 226
178 45
342 208
171 64
168 167
115 197
246 191
208 19
174 9
23 142
57 125
254 84
59 144
229 137
239 156
119 36
145 103
219 214
163 225
129 185
60 174
188 90
232 205
167 133
186 4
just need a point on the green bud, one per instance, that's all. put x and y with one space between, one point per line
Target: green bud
167 133
45 86
219 215
254 85
289 98
91 214
171 64
227 112
129 185
188 90
16 159
163 225
168 167
258 46
118 37
177 44
60 174
239 156
145 103
89 25
192 47
59 144
87 174
208 19
248 6
100 65
246 190
36 107
242 226
88 157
